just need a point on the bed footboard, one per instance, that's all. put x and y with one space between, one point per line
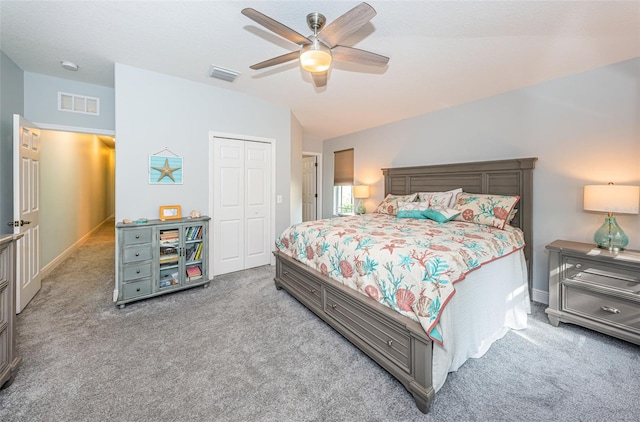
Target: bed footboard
395 342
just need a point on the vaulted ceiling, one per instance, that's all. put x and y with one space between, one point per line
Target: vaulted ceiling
442 53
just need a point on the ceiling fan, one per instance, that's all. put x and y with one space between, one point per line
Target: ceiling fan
319 49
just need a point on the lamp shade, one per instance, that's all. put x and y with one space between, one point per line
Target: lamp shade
612 198
361 191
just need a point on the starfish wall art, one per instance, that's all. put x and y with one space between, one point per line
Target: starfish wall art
165 170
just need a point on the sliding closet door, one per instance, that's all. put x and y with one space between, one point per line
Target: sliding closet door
242 207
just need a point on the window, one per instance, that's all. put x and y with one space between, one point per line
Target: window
343 182
342 200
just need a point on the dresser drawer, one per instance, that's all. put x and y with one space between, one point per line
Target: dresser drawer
606 309
135 236
602 274
137 253
134 272
370 327
135 289
308 289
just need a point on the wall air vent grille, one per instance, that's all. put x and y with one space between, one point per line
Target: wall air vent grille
222 73
78 103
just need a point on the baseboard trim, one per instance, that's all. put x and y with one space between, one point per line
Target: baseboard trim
540 296
47 269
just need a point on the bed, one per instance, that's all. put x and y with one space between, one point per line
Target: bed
419 345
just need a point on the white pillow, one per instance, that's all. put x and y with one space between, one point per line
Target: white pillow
446 199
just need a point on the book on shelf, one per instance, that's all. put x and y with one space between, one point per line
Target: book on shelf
169 234
194 273
198 252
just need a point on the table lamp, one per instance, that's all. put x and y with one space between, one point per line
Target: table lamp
361 192
611 198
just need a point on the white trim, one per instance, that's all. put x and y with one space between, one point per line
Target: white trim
540 296
272 229
318 156
62 128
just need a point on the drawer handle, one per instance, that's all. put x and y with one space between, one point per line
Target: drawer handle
578 265
138 289
137 271
285 272
137 236
610 309
334 306
389 343
137 253
313 291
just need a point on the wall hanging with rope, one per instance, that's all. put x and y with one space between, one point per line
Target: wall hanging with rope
165 168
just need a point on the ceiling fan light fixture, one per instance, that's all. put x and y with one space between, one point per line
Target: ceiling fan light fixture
315 57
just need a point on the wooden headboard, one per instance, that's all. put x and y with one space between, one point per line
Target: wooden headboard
503 177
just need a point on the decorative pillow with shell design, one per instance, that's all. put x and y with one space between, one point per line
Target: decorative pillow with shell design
440 214
389 204
489 210
412 209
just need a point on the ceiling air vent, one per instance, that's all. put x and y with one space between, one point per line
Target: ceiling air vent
222 73
78 104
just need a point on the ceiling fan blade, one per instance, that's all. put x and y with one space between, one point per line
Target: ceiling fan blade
355 55
275 26
276 60
347 24
319 79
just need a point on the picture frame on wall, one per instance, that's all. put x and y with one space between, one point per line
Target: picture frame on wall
164 170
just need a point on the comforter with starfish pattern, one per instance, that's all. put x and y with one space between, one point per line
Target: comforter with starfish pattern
409 265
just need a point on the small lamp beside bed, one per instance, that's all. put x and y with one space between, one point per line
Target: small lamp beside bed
611 198
360 192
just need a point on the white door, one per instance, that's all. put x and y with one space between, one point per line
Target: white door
257 205
241 205
228 212
26 209
309 196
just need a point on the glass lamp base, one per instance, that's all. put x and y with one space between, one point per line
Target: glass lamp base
610 236
360 209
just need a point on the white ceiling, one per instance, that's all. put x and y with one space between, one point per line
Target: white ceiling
442 53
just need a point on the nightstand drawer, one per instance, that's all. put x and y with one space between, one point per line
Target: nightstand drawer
602 274
606 309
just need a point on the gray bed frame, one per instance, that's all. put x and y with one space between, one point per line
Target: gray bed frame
395 342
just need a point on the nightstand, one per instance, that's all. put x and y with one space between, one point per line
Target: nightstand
595 288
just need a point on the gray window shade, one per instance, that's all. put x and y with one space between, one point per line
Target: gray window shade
343 167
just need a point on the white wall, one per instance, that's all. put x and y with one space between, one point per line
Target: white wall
296 171
41 102
154 111
76 192
583 128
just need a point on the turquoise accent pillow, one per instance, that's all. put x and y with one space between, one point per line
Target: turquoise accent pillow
411 214
440 214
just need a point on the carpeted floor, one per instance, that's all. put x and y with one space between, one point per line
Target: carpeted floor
243 351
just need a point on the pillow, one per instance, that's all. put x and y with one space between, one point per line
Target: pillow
486 209
512 215
411 209
446 199
389 205
440 214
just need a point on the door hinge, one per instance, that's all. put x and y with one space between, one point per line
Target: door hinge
315 164
316 195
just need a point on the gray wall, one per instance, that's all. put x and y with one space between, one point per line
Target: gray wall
41 103
584 129
154 111
11 102
296 171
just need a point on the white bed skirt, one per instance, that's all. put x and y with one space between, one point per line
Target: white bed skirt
487 304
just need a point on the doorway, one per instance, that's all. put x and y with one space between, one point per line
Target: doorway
311 182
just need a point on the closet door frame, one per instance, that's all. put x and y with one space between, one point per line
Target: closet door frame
272 222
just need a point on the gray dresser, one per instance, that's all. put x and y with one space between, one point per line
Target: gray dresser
595 288
161 257
9 360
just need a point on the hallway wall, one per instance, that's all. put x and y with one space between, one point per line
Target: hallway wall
77 191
